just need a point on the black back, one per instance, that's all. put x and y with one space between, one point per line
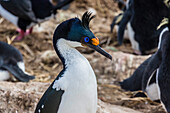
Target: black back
144 17
9 52
147 16
9 57
20 8
127 15
42 8
30 10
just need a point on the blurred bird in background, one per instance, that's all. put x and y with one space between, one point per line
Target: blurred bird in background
27 13
11 61
141 17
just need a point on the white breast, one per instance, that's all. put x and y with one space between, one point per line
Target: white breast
152 91
78 82
4 75
80 87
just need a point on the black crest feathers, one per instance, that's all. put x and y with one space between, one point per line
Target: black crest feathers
86 18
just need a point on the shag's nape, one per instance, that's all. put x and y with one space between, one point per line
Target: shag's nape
86 18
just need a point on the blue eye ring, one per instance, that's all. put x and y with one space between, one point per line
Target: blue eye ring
86 39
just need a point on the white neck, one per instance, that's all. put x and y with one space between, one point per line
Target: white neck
68 51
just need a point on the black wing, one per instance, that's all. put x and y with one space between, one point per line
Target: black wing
134 83
17 72
20 8
50 101
152 66
122 26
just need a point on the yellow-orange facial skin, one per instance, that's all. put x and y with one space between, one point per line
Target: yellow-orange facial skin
95 41
94 44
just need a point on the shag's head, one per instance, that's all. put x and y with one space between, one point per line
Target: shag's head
78 33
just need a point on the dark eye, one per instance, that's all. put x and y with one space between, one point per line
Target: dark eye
86 39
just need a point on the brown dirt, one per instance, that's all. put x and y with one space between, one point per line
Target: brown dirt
41 61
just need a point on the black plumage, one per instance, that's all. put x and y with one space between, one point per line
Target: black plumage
134 82
161 62
121 4
122 25
9 58
155 70
143 16
52 97
30 12
122 22
50 101
22 9
86 19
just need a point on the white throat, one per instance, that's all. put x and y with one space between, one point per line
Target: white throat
68 51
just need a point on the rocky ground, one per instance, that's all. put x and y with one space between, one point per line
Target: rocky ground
41 61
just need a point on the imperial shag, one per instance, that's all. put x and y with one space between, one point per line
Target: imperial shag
26 13
11 61
75 88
